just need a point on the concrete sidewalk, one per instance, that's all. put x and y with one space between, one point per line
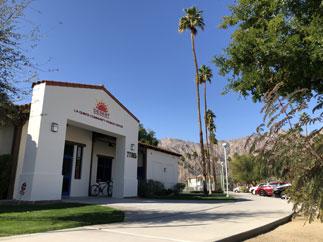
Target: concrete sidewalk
156 220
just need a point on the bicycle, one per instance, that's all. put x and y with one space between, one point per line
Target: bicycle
102 188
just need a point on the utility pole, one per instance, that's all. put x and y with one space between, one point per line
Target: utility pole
226 167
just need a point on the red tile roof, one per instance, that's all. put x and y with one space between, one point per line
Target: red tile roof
80 85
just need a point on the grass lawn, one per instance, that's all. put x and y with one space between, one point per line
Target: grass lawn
32 218
196 196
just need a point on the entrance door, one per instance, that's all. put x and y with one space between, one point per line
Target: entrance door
67 169
104 169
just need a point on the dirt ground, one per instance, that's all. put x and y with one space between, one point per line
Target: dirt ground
294 231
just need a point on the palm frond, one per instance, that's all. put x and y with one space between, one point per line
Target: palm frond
205 74
192 20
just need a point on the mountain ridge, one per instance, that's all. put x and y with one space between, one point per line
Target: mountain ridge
190 164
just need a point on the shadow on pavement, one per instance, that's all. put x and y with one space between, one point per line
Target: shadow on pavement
155 217
115 201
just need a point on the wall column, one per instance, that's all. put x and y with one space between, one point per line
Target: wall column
42 166
118 168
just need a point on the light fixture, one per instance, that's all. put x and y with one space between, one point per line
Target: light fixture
54 127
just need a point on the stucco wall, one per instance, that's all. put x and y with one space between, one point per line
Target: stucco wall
79 187
162 167
21 155
195 184
42 166
6 138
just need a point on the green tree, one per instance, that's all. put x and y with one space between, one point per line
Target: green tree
247 169
276 57
15 66
205 75
147 136
290 160
275 42
16 69
192 20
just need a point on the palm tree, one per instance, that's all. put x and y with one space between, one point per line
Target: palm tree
205 75
304 120
210 124
192 20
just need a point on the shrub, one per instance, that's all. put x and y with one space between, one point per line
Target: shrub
5 172
196 192
150 188
166 192
217 190
244 189
178 187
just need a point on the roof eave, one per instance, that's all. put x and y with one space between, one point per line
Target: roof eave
159 149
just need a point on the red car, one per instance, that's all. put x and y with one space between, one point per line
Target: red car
267 189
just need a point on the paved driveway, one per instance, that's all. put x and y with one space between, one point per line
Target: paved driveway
156 220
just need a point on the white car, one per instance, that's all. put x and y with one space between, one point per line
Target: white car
237 189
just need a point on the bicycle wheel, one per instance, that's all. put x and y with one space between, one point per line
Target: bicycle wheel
94 190
104 189
109 189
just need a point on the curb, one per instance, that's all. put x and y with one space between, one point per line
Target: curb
257 231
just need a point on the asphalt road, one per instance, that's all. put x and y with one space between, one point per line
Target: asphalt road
156 220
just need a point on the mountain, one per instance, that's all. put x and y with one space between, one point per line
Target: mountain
190 163
184 147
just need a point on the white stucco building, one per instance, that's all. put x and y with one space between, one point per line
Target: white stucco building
155 163
196 183
73 136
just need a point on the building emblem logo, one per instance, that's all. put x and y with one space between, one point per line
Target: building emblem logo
101 109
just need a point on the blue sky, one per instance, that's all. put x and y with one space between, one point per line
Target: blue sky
135 50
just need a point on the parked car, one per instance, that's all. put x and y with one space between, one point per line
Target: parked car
268 189
279 191
237 189
253 189
264 190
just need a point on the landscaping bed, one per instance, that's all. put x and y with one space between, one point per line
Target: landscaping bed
155 190
31 218
296 230
195 196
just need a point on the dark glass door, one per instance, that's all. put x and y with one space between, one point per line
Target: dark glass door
67 169
104 170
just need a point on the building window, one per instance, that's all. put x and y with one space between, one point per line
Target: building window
78 162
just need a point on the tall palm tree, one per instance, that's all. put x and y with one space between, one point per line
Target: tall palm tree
210 116
205 75
193 20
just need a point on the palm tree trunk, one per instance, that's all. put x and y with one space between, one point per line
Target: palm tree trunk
207 151
213 165
199 113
